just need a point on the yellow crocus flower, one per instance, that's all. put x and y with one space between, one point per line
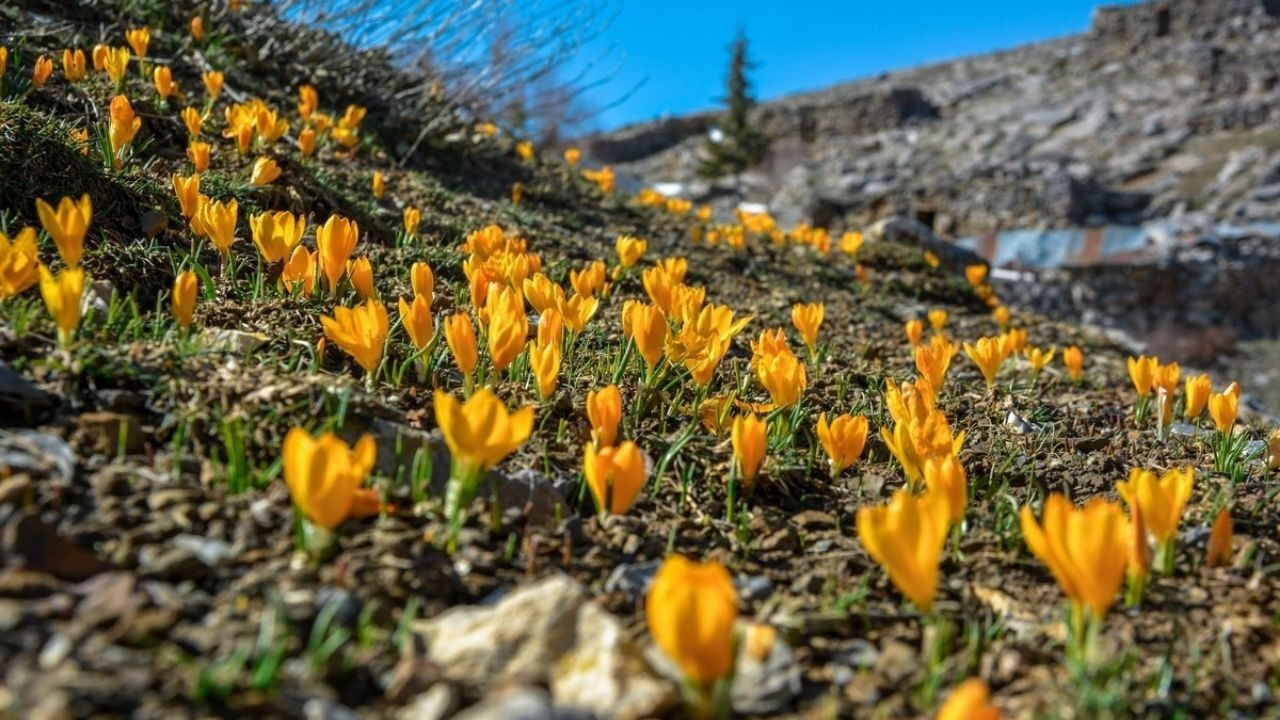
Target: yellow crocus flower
1085 549
843 439
67 225
62 295
361 332
185 285
324 475
604 410
691 609
19 264
906 537
277 234
749 440
615 475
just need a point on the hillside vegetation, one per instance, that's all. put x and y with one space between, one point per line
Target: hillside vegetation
382 412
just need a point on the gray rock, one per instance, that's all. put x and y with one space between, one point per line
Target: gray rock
38 454
520 703
552 632
437 703
765 685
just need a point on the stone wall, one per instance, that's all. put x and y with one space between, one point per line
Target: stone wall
1136 24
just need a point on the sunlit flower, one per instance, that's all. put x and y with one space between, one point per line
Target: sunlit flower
1012 341
646 326
116 62
1167 378
198 153
508 326
460 335
1223 408
480 433
62 296
843 439
906 537
572 155
42 71
124 126
379 184
782 374
937 320
1038 359
361 332
851 242
218 222
307 142
412 219
193 121
275 234
185 285
615 475
417 321
67 225
1161 502
524 149
1142 371
914 440
139 39
265 171
1073 360
604 410
987 355
933 360
19 264
542 293
300 269
946 477
335 241
1198 389
308 100
360 274
197 28
4 59
162 78
691 609
603 178
325 475
969 701
212 83
807 319
544 361
976 274
1001 315
422 280
1218 553
74 65
577 311
1084 548
630 249
914 330
749 439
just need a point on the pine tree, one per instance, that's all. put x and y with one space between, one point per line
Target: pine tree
740 145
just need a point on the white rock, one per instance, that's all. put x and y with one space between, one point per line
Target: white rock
549 631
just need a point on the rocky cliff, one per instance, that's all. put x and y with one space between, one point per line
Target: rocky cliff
1158 109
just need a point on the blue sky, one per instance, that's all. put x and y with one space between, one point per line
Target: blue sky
679 47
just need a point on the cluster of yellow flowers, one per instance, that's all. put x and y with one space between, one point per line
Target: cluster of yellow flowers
679 335
20 266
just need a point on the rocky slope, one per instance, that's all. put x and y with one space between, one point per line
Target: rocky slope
1126 147
1159 108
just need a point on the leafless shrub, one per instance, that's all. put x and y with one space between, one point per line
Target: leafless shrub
501 59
